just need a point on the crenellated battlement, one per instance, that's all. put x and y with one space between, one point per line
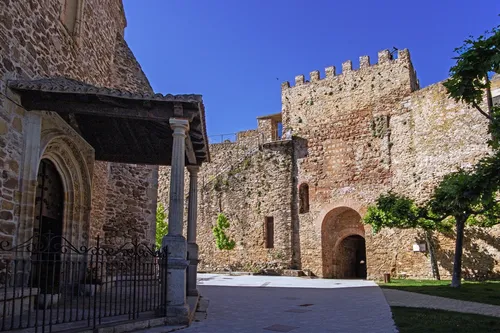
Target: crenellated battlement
384 58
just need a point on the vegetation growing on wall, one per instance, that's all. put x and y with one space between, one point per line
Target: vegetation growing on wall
222 241
161 223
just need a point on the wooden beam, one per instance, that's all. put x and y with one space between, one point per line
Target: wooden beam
132 134
198 143
144 133
196 135
136 159
99 109
190 154
74 123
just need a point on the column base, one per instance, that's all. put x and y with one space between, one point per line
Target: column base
174 314
192 269
176 310
193 292
176 246
177 315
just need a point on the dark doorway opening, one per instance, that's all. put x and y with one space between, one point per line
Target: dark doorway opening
48 227
352 257
269 232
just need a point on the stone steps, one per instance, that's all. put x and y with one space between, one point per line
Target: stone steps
199 315
296 272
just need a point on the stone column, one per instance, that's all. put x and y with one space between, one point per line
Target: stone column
176 311
28 178
29 172
191 231
176 200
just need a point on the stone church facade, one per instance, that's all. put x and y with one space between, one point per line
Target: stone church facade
295 198
82 135
81 40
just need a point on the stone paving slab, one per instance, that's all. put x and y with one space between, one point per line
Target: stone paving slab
416 300
278 281
248 304
161 329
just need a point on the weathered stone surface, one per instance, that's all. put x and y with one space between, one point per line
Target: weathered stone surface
7 228
17 124
3 127
8 205
6 216
369 131
257 185
34 43
132 213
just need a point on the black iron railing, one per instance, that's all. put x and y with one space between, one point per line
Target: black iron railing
48 284
187 273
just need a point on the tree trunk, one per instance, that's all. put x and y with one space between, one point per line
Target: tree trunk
489 98
457 263
432 254
489 103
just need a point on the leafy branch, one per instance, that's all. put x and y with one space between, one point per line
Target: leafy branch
161 223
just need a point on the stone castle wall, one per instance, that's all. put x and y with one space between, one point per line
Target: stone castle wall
256 188
432 136
356 135
247 184
369 131
344 121
34 43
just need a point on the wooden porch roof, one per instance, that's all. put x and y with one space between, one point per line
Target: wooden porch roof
122 127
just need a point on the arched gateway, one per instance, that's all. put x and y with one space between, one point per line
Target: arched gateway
343 244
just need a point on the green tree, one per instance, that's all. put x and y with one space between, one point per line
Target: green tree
469 79
470 197
463 197
161 223
222 241
396 211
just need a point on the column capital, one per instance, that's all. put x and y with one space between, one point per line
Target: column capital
193 169
179 125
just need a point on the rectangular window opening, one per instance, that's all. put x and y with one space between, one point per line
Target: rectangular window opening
269 232
279 130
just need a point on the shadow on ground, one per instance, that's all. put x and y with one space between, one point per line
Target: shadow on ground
483 292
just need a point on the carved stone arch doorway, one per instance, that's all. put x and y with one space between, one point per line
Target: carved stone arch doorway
63 153
343 244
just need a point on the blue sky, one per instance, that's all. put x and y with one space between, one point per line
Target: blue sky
237 53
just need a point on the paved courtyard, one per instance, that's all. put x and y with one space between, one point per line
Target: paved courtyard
241 304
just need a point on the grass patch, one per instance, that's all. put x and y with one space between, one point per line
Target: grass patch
417 320
482 292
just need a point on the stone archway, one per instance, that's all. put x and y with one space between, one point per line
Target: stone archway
73 168
338 225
